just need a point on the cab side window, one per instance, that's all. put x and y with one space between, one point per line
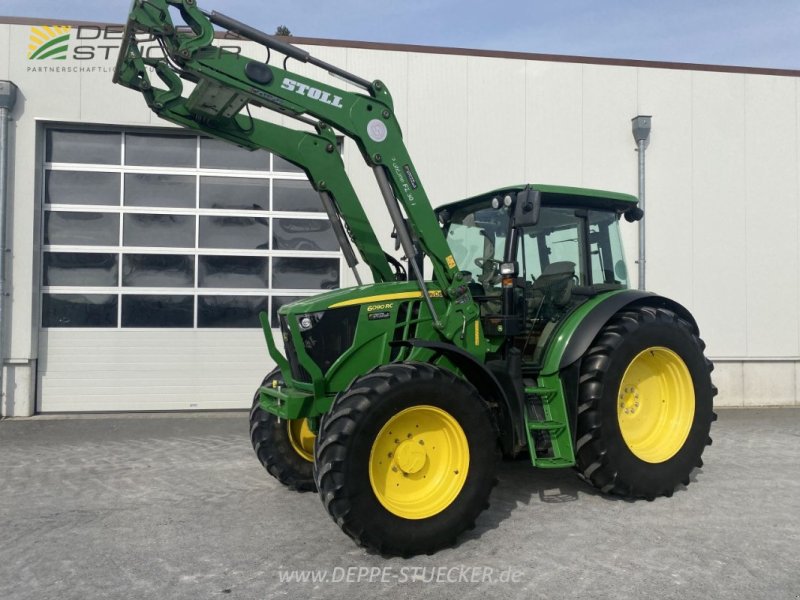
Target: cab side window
554 239
605 250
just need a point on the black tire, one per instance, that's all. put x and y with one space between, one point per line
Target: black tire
346 438
273 447
603 456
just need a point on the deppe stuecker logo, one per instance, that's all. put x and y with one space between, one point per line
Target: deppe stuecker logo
75 42
84 44
49 41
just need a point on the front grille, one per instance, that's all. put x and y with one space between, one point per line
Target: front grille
331 336
298 372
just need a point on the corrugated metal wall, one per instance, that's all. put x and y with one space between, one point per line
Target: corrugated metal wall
108 370
722 164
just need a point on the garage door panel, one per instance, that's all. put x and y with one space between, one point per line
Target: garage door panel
92 371
160 250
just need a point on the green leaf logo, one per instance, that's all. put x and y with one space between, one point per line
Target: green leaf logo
49 41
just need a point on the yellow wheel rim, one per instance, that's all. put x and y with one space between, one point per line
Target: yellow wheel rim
655 404
301 438
419 462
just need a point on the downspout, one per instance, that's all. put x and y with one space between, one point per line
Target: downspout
641 133
8 97
642 233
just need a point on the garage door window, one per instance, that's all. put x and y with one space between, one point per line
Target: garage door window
160 230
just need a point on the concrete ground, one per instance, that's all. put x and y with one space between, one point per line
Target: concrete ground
176 506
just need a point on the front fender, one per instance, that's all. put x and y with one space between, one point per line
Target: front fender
509 396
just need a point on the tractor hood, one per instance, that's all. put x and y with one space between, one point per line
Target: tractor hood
355 296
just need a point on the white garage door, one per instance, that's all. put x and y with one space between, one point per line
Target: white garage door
159 251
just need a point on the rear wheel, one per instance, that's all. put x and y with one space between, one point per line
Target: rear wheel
284 447
406 459
645 404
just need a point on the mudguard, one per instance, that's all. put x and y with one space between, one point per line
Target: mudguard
588 329
488 385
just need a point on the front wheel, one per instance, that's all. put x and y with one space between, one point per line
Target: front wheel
645 404
406 459
284 447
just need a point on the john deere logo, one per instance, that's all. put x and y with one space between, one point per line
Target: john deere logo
49 41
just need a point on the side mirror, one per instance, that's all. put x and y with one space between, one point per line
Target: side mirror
633 214
620 270
529 204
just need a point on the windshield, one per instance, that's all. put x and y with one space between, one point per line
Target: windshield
477 240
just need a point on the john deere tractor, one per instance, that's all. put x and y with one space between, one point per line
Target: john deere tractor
396 398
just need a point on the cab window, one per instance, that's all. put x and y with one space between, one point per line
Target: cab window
477 240
551 243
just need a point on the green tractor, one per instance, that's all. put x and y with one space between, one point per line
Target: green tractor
396 399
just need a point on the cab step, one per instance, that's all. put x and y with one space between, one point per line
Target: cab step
547 426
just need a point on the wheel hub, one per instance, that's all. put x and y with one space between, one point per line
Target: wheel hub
629 400
410 457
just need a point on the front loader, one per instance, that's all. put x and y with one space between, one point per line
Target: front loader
395 399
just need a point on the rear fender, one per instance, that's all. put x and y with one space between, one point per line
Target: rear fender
584 334
590 326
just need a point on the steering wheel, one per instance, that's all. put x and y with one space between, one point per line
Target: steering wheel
490 263
490 271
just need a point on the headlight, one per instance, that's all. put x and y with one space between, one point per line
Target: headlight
508 269
309 321
326 335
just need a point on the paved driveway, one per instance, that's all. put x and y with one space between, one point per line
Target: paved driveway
176 506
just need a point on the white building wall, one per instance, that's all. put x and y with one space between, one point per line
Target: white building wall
722 200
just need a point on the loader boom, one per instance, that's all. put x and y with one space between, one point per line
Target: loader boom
227 83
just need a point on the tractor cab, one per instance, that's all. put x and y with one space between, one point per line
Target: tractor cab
528 268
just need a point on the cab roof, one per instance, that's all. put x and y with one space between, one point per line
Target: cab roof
555 195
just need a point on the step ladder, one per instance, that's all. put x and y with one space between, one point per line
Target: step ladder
547 426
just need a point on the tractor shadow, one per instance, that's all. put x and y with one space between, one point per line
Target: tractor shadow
520 483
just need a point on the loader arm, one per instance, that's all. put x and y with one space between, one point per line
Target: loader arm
314 153
228 82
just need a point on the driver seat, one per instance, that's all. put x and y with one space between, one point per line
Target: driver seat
555 283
